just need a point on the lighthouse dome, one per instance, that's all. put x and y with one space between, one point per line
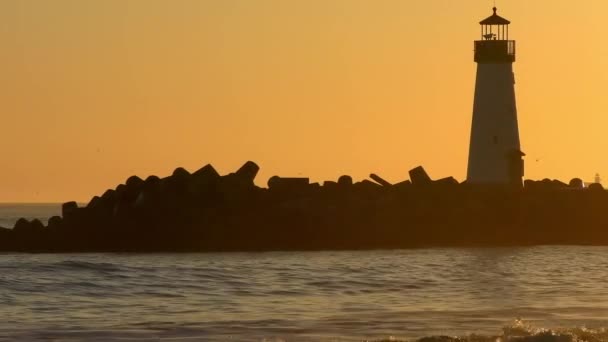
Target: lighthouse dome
495 19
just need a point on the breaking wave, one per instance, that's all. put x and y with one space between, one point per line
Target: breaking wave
520 331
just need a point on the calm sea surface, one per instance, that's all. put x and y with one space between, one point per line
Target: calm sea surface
516 294
10 213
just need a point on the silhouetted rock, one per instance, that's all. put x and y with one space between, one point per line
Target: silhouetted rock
152 180
345 181
273 182
54 223
180 172
21 225
595 187
68 209
26 228
204 177
576 183
94 202
36 225
134 182
379 180
559 184
419 176
207 171
237 188
108 195
248 172
120 190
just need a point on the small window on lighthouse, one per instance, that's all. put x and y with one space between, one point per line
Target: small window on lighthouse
495 140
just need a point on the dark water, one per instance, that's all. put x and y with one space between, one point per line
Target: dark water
517 294
10 213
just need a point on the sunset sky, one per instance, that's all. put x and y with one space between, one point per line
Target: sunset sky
94 91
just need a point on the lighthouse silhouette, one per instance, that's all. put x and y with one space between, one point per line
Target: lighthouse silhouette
495 156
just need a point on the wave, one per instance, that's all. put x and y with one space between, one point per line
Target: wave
76 266
520 331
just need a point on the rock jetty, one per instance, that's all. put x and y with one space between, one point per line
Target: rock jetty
204 211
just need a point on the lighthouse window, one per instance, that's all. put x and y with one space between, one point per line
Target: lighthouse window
495 140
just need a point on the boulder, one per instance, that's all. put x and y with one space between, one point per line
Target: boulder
134 182
108 195
247 172
345 181
576 183
22 224
180 172
94 202
120 190
176 184
152 180
106 203
419 176
595 187
151 184
559 184
203 180
69 209
133 187
238 188
206 172
54 222
274 182
379 180
36 225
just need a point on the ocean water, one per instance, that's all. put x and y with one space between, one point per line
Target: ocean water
532 294
10 213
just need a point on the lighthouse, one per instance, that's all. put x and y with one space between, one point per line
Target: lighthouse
495 156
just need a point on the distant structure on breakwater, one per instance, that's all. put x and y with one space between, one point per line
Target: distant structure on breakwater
495 156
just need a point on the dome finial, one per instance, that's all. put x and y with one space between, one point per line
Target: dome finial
494 9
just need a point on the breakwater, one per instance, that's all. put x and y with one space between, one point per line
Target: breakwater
205 211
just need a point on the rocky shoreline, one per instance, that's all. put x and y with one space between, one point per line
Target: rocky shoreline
206 212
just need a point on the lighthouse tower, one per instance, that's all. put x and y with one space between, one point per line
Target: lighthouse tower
495 156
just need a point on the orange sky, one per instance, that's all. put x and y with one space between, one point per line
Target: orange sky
95 91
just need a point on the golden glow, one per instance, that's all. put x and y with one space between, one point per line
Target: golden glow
95 91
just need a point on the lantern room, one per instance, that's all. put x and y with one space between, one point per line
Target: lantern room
495 46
